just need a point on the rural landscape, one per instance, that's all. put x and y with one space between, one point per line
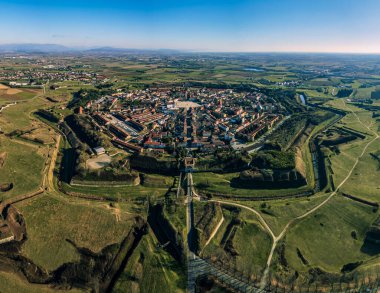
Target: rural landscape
195 146
123 175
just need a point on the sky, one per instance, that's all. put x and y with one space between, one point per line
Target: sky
196 25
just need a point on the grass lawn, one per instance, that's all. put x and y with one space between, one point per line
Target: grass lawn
19 116
123 193
11 283
23 166
364 181
14 95
151 269
324 238
278 213
156 180
51 220
221 183
176 214
251 243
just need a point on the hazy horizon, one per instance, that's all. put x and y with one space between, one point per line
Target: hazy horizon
100 47
288 26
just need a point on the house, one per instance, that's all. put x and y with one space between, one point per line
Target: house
99 150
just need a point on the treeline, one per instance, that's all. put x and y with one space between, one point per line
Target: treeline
107 175
150 164
285 133
375 94
273 159
343 93
224 161
268 179
83 96
84 129
286 98
242 87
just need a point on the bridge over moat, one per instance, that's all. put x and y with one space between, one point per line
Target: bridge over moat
197 266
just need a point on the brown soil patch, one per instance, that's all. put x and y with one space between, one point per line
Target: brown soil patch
300 164
41 135
135 287
15 222
115 211
3 87
3 156
5 231
98 162
13 91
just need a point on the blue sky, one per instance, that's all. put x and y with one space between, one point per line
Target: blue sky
223 25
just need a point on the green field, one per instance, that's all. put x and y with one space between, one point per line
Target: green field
10 283
19 116
151 269
221 183
251 243
20 157
122 193
16 95
324 238
51 220
319 244
278 213
363 181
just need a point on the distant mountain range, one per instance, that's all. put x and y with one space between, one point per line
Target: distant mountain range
54 48
33 48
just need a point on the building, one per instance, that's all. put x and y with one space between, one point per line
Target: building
99 150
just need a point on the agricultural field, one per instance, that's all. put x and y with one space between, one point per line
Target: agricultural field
8 94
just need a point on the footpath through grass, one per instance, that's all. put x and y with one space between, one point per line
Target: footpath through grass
251 243
151 269
278 213
331 237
